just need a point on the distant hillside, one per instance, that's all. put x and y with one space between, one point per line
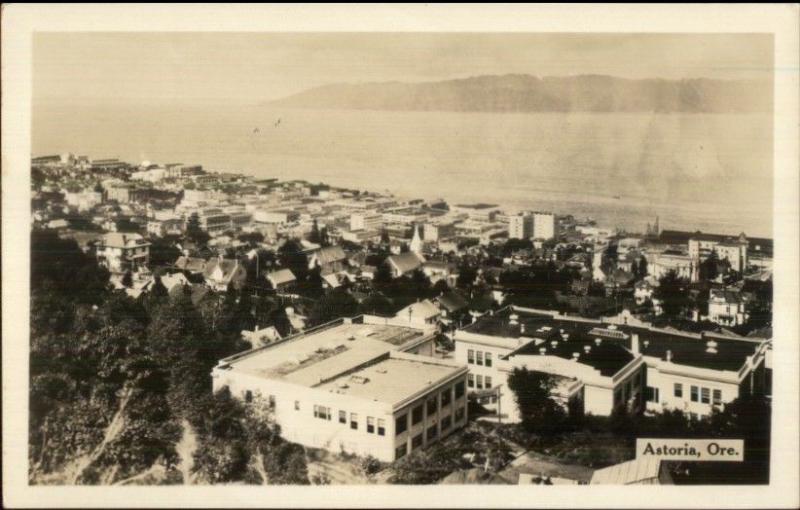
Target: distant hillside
525 93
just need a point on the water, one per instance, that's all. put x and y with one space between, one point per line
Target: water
707 172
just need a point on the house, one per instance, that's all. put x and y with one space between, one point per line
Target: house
122 252
404 263
420 313
328 259
281 280
261 337
364 386
639 471
451 304
728 307
192 265
437 270
221 273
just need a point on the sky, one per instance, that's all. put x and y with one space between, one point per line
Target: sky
148 68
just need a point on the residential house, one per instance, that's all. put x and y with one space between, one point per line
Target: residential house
281 280
121 252
404 263
221 273
330 259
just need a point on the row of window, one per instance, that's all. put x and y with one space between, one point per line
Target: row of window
444 398
480 382
479 358
325 413
696 394
432 433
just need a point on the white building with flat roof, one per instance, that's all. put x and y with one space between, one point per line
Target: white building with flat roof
366 386
544 225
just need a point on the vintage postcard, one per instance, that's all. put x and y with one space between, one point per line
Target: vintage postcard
276 256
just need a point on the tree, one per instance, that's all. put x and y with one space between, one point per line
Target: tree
673 293
333 305
383 275
127 279
193 231
708 268
538 409
315 236
163 252
466 276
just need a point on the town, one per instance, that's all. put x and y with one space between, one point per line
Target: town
299 332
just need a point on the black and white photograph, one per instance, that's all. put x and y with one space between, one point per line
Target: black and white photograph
312 258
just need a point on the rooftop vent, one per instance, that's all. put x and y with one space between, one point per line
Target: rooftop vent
359 379
343 385
381 370
351 337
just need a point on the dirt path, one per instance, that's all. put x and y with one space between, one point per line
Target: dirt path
115 427
185 450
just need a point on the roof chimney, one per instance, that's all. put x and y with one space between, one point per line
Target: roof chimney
669 356
635 344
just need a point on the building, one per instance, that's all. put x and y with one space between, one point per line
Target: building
520 226
219 273
281 280
595 375
544 225
362 386
728 307
214 221
640 471
659 263
420 314
330 259
438 231
121 252
166 227
365 221
404 263
477 212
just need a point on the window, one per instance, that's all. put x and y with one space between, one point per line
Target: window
416 415
432 432
705 395
459 414
488 359
460 389
470 356
342 416
446 422
416 442
694 394
381 427
470 380
679 390
370 425
323 413
296 405
479 358
401 424
487 381
354 421
400 451
248 396
479 382
651 394
717 397
446 397
431 406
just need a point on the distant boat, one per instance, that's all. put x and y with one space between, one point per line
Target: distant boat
256 130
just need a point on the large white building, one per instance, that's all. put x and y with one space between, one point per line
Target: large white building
520 226
544 225
606 364
364 386
366 221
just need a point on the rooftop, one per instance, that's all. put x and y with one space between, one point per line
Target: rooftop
323 355
392 379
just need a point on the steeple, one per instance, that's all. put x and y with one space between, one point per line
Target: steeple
416 241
